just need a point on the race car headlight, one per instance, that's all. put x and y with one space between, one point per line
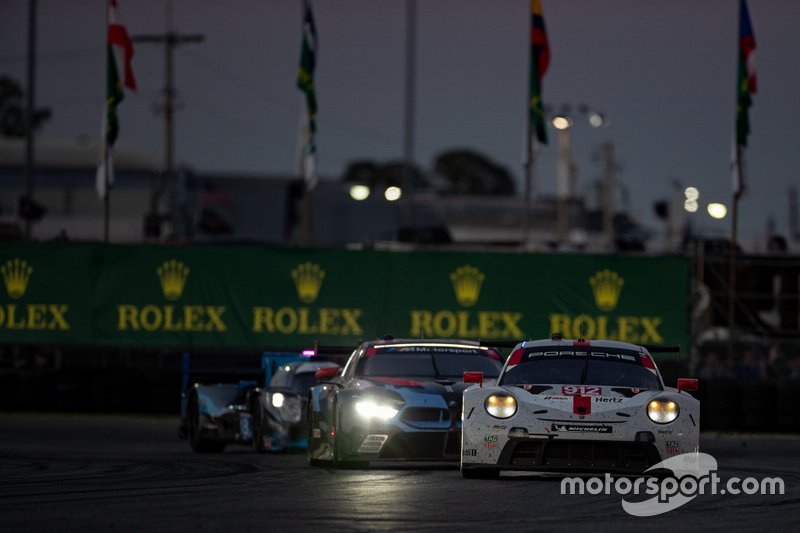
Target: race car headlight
501 405
277 400
371 409
662 411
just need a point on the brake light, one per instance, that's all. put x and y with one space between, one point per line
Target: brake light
581 342
687 384
473 377
647 361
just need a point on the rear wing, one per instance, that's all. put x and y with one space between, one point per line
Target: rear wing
499 343
652 348
256 368
664 349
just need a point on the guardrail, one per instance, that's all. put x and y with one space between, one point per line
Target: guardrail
725 405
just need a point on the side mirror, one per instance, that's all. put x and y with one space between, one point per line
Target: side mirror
688 384
474 377
326 373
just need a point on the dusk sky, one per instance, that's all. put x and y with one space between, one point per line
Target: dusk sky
663 72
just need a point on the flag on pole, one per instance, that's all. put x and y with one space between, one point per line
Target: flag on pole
746 87
540 59
119 73
305 82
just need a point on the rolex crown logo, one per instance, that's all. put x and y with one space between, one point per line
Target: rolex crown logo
606 286
467 281
16 273
172 275
308 281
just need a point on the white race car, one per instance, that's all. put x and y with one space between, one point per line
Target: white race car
576 406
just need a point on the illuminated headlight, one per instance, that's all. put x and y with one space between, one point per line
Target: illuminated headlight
277 400
373 409
501 405
662 411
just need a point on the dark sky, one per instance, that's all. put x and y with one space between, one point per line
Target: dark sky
663 72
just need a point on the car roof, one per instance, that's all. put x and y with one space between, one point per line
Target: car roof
300 367
423 342
602 343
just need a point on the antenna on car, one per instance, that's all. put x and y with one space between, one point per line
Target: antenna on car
581 326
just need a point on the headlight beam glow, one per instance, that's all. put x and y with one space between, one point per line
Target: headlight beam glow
662 411
372 409
501 405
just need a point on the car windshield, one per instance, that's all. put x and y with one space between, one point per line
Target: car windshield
303 381
601 366
426 362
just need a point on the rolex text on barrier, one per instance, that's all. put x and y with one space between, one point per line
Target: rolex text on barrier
253 296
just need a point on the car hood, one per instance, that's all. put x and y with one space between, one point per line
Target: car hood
570 398
416 390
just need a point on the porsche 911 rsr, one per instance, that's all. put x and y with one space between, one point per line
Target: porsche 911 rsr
394 399
576 406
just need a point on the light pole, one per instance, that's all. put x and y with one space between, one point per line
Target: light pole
566 169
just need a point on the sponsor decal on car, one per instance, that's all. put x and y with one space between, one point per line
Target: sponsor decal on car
581 390
490 441
470 452
573 428
672 447
601 399
582 353
555 398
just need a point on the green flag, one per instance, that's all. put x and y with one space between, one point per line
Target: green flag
540 59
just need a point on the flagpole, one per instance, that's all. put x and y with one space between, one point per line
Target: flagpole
30 177
307 234
106 201
107 197
737 193
528 182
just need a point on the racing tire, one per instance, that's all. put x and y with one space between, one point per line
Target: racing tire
257 420
196 440
479 473
338 461
310 423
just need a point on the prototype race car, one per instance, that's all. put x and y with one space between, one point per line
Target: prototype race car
576 406
271 418
394 399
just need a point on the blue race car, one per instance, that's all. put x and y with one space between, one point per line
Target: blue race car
269 418
394 399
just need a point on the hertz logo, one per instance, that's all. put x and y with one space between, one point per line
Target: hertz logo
467 281
173 275
16 273
308 281
606 286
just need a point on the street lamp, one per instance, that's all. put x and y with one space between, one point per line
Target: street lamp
717 210
690 199
359 192
393 193
566 169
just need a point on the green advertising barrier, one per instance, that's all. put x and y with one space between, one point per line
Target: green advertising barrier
251 296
